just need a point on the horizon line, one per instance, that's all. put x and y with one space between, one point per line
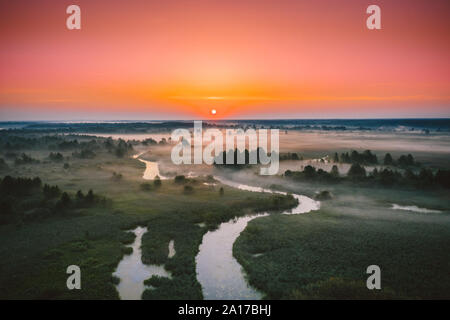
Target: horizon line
212 120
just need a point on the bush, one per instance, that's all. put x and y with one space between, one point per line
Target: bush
323 195
188 190
180 179
57 157
116 176
146 186
157 182
356 171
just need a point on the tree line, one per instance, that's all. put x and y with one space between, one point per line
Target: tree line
386 176
26 199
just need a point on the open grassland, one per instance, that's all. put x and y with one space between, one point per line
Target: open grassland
34 255
322 254
325 254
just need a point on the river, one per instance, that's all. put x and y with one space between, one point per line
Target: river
218 272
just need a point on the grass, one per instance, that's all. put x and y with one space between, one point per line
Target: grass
298 255
321 254
34 256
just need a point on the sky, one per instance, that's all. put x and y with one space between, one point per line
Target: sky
245 59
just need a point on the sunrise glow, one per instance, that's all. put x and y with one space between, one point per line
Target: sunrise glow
253 59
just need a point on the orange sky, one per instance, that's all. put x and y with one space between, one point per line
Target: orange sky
246 59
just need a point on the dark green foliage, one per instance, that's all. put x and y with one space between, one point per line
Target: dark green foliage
323 195
180 179
84 154
334 171
116 176
311 174
221 191
405 161
338 288
25 199
385 177
127 250
290 156
157 281
188 190
442 178
335 158
239 159
300 254
51 192
366 157
67 145
19 186
149 141
356 171
388 160
25 159
181 227
157 182
57 157
426 177
146 186
122 148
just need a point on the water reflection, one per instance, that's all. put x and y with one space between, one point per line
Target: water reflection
132 272
218 272
220 275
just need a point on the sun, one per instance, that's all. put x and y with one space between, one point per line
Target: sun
213 111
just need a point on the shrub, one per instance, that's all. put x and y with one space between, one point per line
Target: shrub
157 182
188 190
180 179
146 186
356 171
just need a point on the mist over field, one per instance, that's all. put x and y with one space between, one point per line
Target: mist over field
108 198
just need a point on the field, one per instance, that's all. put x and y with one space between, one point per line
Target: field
35 255
321 254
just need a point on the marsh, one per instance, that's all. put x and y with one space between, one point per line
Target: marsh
320 253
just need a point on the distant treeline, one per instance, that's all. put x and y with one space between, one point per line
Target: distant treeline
386 177
244 156
26 199
368 158
101 127
10 144
290 156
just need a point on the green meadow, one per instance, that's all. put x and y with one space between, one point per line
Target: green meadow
320 254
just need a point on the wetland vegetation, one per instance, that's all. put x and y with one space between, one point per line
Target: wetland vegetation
68 197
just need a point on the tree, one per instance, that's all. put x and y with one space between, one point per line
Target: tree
334 171
188 189
356 171
388 160
146 186
335 158
221 191
157 182
65 200
180 179
387 177
309 172
426 177
80 195
90 198
443 178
